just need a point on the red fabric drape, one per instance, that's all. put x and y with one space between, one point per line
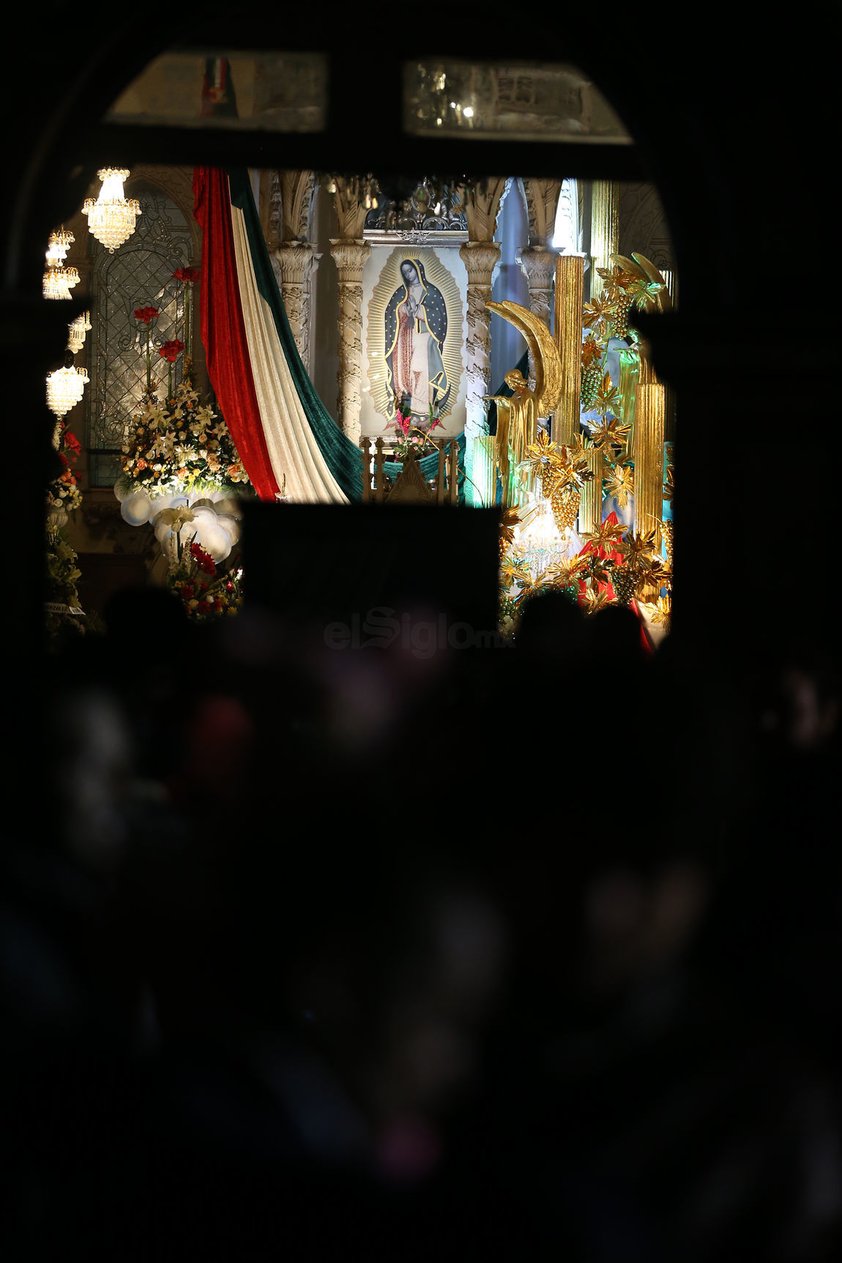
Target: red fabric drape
223 329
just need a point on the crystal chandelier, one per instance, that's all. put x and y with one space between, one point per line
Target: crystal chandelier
65 388
76 331
112 217
58 279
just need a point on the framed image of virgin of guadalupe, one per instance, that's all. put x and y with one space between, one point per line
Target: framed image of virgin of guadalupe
415 333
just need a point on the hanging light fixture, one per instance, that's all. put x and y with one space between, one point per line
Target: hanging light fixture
76 331
60 242
113 216
65 388
58 279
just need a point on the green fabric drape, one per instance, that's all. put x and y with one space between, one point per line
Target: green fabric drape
341 454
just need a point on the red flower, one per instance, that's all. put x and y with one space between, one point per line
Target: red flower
202 559
71 442
145 314
171 350
188 275
403 423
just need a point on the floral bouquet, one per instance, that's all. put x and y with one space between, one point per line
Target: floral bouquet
63 495
206 591
181 473
179 445
414 435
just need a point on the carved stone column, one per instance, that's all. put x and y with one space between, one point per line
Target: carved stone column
297 261
349 255
480 259
605 229
538 265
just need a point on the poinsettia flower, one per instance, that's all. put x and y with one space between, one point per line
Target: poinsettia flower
639 549
607 535
591 351
564 573
597 310
188 275
620 484
146 314
596 600
610 432
660 615
608 398
514 570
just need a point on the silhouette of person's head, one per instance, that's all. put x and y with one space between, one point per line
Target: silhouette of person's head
550 621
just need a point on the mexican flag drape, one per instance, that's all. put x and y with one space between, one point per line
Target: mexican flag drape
285 437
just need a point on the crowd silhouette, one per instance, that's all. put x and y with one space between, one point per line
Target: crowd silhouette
521 951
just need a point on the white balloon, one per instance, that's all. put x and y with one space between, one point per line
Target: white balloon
228 504
135 508
162 529
204 516
162 500
215 539
231 524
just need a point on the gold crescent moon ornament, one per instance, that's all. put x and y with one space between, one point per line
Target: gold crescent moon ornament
542 348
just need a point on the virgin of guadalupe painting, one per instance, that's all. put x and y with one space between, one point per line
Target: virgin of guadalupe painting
415 329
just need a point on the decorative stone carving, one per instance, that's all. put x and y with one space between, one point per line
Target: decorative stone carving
480 259
568 217
541 207
350 210
482 206
296 263
349 257
538 266
297 189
